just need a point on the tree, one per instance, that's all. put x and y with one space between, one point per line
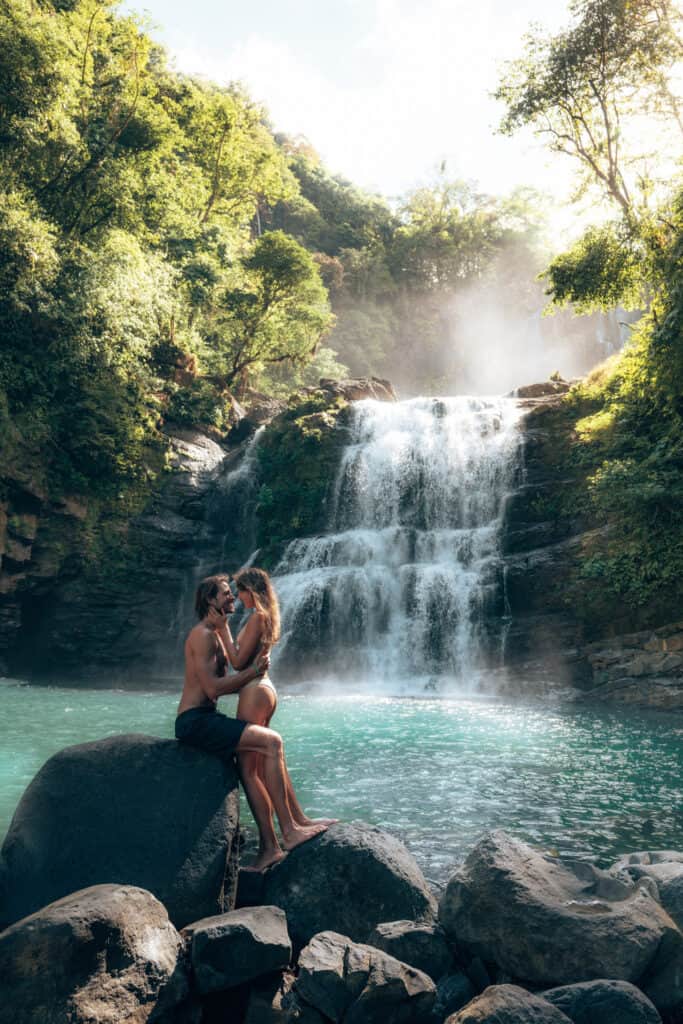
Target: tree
278 313
579 89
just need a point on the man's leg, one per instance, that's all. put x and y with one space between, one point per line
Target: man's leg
269 744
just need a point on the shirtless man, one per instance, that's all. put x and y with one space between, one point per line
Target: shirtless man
199 724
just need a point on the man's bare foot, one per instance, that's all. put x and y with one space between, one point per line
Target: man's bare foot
265 860
301 834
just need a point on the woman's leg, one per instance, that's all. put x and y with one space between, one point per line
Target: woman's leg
262 809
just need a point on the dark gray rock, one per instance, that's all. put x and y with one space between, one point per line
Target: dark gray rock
421 945
234 948
603 1002
554 923
357 984
266 998
508 1004
104 955
348 880
453 991
130 809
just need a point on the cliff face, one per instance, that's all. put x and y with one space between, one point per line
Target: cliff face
563 627
122 616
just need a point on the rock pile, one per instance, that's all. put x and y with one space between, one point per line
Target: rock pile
343 931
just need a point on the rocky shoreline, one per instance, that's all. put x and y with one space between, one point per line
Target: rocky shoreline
119 902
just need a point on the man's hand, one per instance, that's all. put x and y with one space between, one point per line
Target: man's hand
262 663
215 618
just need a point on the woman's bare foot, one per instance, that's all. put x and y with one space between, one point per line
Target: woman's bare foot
317 821
266 859
301 834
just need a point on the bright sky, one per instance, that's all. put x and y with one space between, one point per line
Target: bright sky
383 89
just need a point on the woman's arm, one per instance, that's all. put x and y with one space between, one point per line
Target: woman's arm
241 653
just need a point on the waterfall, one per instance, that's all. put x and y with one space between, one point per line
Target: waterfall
406 586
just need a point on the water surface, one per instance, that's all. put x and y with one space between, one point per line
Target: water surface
437 773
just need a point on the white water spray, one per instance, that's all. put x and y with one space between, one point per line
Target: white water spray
406 588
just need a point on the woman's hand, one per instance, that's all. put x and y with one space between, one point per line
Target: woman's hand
216 619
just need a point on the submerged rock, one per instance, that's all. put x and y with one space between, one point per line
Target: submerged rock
553 923
234 948
508 1004
603 1002
357 984
348 880
104 955
129 809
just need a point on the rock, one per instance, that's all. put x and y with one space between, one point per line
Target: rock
234 948
348 880
357 984
129 809
355 389
104 955
453 991
552 923
665 867
603 1002
421 945
544 388
507 1004
265 1005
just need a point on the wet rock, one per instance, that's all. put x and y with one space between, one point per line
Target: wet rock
104 955
230 949
603 1002
348 880
544 388
357 984
355 389
421 945
129 809
507 1004
551 922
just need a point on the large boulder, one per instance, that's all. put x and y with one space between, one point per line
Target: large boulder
231 949
348 880
104 955
130 809
507 1004
553 923
351 983
603 1002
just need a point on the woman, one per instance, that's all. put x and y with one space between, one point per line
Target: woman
257 703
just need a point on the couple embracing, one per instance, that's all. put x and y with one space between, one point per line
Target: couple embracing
209 649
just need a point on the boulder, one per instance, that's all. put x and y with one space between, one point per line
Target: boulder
421 945
355 389
507 1004
357 984
230 949
348 880
665 867
104 955
453 991
132 810
266 997
552 923
603 1002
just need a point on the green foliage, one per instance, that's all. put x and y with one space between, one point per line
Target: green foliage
298 460
600 271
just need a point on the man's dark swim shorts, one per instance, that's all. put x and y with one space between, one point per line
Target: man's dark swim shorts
209 730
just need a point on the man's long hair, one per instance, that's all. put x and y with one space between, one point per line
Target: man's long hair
206 591
257 582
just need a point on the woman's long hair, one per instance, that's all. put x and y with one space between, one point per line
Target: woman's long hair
257 582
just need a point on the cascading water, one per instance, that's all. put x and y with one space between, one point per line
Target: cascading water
406 588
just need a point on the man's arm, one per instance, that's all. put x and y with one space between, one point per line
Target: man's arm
214 686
